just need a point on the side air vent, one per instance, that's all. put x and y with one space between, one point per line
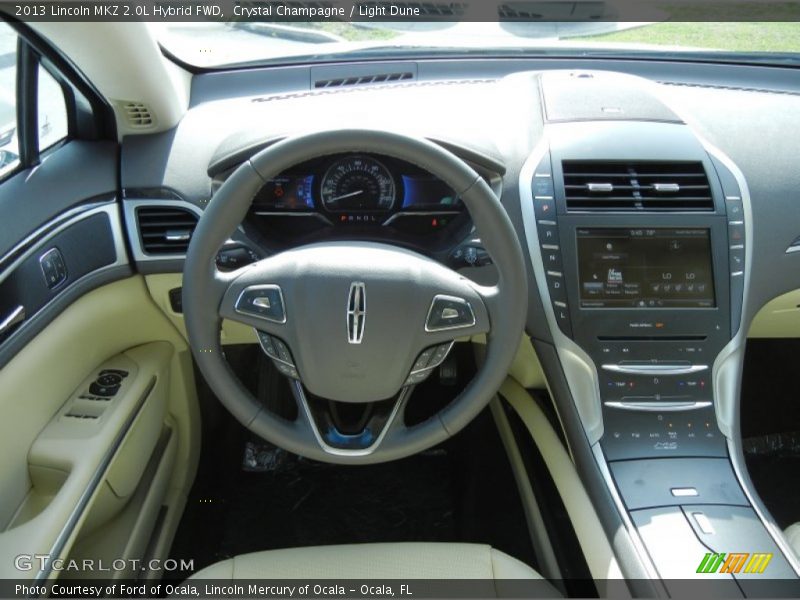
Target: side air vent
138 115
165 230
364 80
636 186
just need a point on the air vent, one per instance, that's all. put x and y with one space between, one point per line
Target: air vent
636 186
364 80
165 230
138 115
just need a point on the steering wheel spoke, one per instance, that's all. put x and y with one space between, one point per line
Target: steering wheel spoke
359 433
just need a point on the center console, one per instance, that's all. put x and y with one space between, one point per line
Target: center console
638 238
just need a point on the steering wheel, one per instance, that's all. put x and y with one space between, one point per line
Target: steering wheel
353 322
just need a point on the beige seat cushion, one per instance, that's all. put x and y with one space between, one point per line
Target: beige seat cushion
373 561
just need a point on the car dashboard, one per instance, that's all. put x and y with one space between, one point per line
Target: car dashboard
658 209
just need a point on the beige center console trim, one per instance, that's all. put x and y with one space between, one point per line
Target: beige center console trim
591 536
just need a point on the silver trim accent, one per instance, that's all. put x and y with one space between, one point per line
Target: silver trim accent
180 235
449 327
656 406
17 316
262 302
657 369
546 222
132 225
574 360
735 222
300 396
262 286
683 492
666 187
600 187
357 299
793 248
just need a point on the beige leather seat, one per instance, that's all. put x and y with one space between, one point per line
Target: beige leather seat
792 534
373 561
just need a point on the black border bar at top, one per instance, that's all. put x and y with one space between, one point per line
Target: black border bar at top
376 11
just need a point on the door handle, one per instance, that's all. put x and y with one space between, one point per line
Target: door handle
17 316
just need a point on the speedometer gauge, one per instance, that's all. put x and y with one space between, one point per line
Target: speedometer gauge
357 183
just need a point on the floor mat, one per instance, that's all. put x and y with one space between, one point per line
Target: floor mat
463 491
773 462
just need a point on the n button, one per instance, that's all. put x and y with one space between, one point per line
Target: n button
449 312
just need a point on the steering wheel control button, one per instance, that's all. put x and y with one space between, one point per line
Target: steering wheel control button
423 360
417 377
278 351
287 370
262 301
267 344
440 352
449 312
283 351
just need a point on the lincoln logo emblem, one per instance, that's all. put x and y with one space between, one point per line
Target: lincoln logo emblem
356 312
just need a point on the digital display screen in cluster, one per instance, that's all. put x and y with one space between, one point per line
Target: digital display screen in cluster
645 268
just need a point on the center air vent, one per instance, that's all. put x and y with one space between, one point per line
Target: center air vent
165 230
636 186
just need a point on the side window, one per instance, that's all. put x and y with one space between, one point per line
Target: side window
9 142
51 110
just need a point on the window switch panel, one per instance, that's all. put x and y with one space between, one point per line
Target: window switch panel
53 267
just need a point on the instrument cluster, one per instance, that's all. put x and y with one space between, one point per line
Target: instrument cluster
358 196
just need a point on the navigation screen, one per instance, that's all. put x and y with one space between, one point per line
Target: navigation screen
645 268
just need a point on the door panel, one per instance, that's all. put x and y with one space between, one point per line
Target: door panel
56 464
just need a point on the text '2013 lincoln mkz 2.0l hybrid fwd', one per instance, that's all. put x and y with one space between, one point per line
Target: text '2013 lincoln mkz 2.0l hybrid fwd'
317 299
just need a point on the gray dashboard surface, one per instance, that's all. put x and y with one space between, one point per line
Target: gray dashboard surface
493 108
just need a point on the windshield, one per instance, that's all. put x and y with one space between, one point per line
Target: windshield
251 42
